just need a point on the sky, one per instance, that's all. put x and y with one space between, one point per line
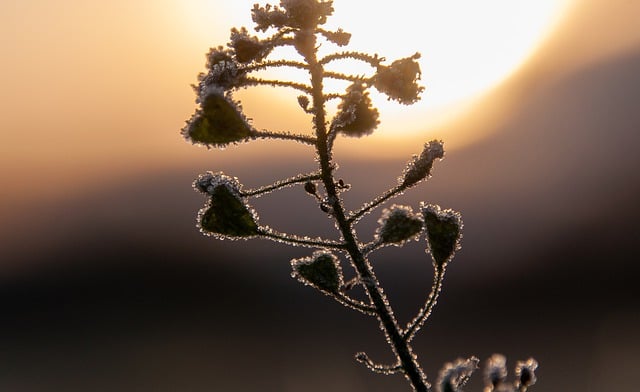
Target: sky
103 272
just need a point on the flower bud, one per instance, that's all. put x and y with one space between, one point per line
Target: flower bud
226 213
398 225
400 80
420 167
322 271
495 372
218 122
525 373
444 231
356 116
247 48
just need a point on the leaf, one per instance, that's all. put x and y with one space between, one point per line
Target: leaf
226 214
322 271
444 231
398 224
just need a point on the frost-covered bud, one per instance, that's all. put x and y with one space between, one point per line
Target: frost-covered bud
303 101
525 373
306 13
268 16
420 166
495 372
310 188
400 80
454 375
224 71
398 225
226 214
246 47
339 37
322 270
218 122
356 116
444 231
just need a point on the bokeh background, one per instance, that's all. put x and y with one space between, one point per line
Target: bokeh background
105 284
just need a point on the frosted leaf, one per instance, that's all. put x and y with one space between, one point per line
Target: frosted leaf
226 214
454 375
398 225
356 116
495 372
224 71
338 37
420 166
218 122
444 232
322 270
525 373
247 48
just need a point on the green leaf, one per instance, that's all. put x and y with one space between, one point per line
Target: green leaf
227 215
321 271
218 123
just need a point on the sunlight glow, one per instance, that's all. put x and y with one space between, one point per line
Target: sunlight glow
467 46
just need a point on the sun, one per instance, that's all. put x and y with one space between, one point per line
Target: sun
467 46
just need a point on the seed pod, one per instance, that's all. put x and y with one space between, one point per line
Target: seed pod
444 231
420 166
399 81
322 271
398 225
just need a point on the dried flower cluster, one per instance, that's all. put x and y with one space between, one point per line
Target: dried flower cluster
219 121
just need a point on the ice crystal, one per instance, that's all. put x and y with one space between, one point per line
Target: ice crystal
398 225
322 271
444 231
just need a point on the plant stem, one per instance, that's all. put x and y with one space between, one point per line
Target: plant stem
388 322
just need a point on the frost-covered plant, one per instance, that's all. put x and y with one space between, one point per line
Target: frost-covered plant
219 121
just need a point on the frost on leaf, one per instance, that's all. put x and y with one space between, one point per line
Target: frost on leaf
218 122
495 372
525 373
356 116
226 214
444 230
398 225
224 71
420 166
246 47
400 80
322 271
454 375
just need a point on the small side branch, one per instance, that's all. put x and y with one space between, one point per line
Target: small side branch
354 304
300 241
275 64
374 60
277 83
282 184
375 203
284 136
363 358
425 311
341 76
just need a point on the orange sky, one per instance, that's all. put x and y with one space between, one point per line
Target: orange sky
96 91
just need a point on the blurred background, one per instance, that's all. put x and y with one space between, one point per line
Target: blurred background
106 284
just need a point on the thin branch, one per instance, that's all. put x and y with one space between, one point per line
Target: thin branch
374 60
295 240
352 303
274 64
331 96
375 203
282 184
285 136
377 368
341 76
277 83
425 311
